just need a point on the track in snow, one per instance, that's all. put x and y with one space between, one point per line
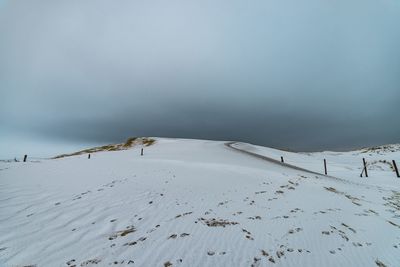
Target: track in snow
229 144
274 161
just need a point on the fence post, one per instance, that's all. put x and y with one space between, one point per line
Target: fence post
326 171
88 156
25 157
141 153
395 168
365 167
282 160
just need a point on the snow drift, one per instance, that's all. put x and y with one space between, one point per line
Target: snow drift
200 203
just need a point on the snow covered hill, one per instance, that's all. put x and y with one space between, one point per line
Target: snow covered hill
200 203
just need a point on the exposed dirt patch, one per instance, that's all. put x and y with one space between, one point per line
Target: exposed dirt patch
90 262
128 230
354 200
217 222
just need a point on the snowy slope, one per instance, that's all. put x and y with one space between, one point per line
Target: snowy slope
198 203
346 165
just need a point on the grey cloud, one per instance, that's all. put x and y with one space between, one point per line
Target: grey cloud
306 75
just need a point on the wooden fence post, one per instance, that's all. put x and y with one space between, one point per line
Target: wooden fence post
365 167
25 157
395 168
326 171
282 160
141 153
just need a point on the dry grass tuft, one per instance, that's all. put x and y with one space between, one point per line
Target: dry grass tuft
131 142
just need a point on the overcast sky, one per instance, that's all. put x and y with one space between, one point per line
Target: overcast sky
307 75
